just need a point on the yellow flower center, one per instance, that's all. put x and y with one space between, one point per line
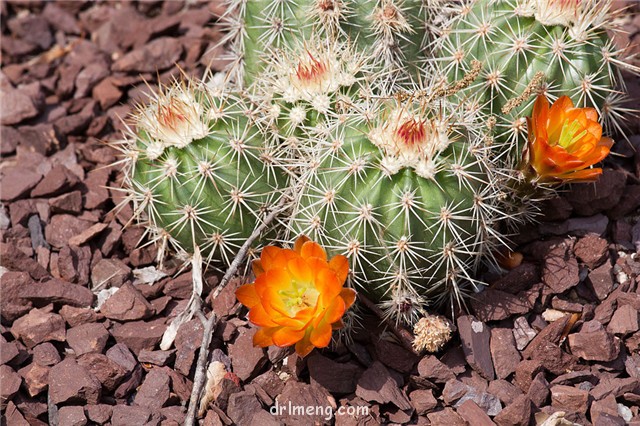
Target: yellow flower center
571 133
299 296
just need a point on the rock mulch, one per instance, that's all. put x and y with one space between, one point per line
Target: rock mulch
558 335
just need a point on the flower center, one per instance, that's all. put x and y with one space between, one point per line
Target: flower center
557 12
299 296
572 132
173 113
311 71
412 132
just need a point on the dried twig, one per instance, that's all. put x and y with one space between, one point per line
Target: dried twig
209 324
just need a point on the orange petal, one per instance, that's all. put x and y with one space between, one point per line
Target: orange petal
312 249
349 296
335 311
540 117
304 346
340 266
259 316
247 295
326 282
268 255
321 335
256 265
299 270
297 246
264 336
586 175
286 336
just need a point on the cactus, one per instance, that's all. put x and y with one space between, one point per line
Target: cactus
197 171
396 34
520 41
405 189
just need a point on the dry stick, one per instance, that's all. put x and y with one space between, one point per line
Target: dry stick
209 324
404 335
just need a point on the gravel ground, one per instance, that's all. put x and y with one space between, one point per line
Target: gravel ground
559 333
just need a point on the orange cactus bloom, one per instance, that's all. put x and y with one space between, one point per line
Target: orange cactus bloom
298 296
564 142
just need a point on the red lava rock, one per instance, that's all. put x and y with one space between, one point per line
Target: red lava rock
223 304
129 384
505 391
503 352
446 417
615 387
588 200
88 234
46 354
300 394
39 325
36 378
539 390
423 401
601 281
62 227
180 287
394 356
520 278
560 271
517 413
336 377
74 264
496 305
109 273
106 93
71 202
377 384
97 194
525 372
453 390
89 77
138 335
473 414
247 359
187 342
17 106
244 408
475 336
99 413
58 291
569 398
17 182
593 343
9 385
58 180
159 54
624 321
127 304
154 392
8 350
431 368
591 250
125 415
77 316
13 416
12 306
159 358
86 338
70 382
72 415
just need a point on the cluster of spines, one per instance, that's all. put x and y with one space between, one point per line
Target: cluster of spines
196 171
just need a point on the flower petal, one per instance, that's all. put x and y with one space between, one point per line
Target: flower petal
297 246
349 296
321 335
247 295
340 265
312 249
304 346
286 336
264 336
259 316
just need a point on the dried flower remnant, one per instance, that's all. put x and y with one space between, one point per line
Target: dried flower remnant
564 142
432 332
298 296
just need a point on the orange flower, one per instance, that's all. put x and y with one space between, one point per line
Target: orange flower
564 142
297 297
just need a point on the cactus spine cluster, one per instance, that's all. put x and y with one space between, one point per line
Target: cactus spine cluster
374 119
